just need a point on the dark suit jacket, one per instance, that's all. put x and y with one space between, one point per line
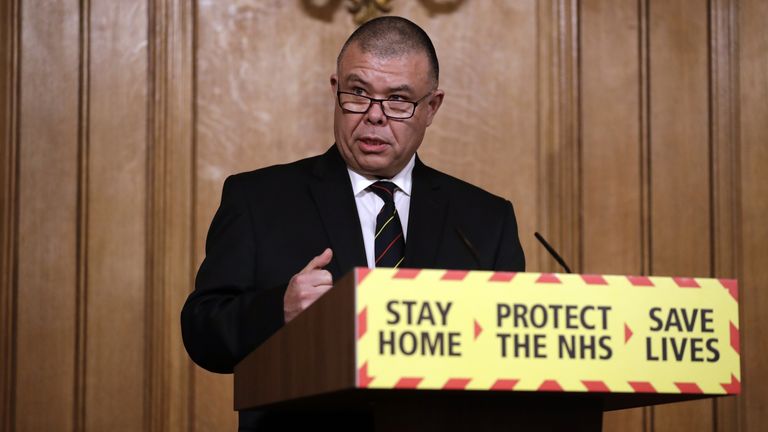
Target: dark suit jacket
273 221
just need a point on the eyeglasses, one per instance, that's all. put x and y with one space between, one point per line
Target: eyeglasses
394 109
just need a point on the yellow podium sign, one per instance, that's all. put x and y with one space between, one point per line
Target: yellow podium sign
480 330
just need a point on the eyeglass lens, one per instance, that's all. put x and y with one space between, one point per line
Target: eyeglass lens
360 104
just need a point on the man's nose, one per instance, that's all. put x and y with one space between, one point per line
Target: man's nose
375 114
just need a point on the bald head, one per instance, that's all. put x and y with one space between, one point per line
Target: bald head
392 36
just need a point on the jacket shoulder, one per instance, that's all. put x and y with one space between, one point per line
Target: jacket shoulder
467 192
274 175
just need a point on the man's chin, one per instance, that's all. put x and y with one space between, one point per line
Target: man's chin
375 166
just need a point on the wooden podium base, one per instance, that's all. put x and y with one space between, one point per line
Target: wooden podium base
461 413
410 410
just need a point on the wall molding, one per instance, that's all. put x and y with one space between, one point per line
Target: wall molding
724 135
644 122
170 182
9 206
81 289
644 39
725 152
559 134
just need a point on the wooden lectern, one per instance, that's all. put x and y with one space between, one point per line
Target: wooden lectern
310 365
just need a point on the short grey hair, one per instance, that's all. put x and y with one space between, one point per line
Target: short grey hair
393 36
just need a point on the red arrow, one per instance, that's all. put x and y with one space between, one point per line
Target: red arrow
478 329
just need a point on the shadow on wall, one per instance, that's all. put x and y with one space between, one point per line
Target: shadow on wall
324 10
439 7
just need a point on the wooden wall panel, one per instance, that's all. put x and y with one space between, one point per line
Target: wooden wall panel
257 105
48 216
753 272
611 137
680 207
116 164
612 150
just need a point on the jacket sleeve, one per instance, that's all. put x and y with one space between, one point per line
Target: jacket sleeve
510 256
228 314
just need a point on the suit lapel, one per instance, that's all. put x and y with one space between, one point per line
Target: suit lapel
336 204
426 219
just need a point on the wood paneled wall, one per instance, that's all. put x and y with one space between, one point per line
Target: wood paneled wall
631 133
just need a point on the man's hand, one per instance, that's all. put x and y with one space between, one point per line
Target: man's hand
307 285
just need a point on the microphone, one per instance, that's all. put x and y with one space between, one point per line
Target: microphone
552 252
469 246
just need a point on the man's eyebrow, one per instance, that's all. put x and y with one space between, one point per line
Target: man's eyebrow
401 88
354 78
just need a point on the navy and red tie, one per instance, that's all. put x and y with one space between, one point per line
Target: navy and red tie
389 241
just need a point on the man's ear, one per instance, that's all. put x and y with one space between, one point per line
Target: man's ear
334 84
434 104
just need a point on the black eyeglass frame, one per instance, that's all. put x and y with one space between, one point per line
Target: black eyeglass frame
371 101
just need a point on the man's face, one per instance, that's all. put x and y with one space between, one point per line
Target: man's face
371 143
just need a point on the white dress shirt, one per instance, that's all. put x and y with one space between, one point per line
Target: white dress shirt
369 204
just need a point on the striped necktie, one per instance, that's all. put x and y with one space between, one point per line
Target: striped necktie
389 241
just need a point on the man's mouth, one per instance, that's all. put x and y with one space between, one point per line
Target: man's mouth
372 144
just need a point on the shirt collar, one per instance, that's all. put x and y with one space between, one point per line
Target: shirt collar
403 179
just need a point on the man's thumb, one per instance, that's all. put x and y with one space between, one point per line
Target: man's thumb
320 261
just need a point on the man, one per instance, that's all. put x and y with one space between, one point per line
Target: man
283 234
